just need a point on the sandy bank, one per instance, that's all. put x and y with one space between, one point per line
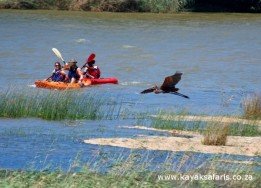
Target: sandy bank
236 145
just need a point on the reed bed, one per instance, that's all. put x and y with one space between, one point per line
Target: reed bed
50 105
129 173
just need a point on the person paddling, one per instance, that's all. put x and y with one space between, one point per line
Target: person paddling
58 75
91 71
75 74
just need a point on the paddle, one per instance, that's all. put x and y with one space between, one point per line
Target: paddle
49 77
90 58
58 54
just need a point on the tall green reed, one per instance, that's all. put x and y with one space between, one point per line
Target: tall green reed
131 173
50 105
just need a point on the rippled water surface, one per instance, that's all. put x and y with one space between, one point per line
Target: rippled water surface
219 55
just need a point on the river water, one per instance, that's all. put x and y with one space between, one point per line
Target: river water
219 55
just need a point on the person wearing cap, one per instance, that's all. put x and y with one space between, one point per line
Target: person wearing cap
74 74
91 71
58 75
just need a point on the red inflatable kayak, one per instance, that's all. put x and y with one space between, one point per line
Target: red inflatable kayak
103 81
62 85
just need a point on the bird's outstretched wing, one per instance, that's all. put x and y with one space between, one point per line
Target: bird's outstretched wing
179 94
171 81
149 90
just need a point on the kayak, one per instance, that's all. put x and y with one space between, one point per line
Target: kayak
62 85
111 80
58 85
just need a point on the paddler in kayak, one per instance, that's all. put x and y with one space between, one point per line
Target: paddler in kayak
91 71
75 74
58 75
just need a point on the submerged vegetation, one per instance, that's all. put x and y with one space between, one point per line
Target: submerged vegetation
51 105
137 5
169 121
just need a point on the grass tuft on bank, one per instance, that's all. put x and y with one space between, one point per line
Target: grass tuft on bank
216 134
252 107
50 105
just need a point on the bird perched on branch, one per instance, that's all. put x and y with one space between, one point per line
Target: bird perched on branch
168 86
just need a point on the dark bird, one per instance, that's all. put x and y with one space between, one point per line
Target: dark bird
168 86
